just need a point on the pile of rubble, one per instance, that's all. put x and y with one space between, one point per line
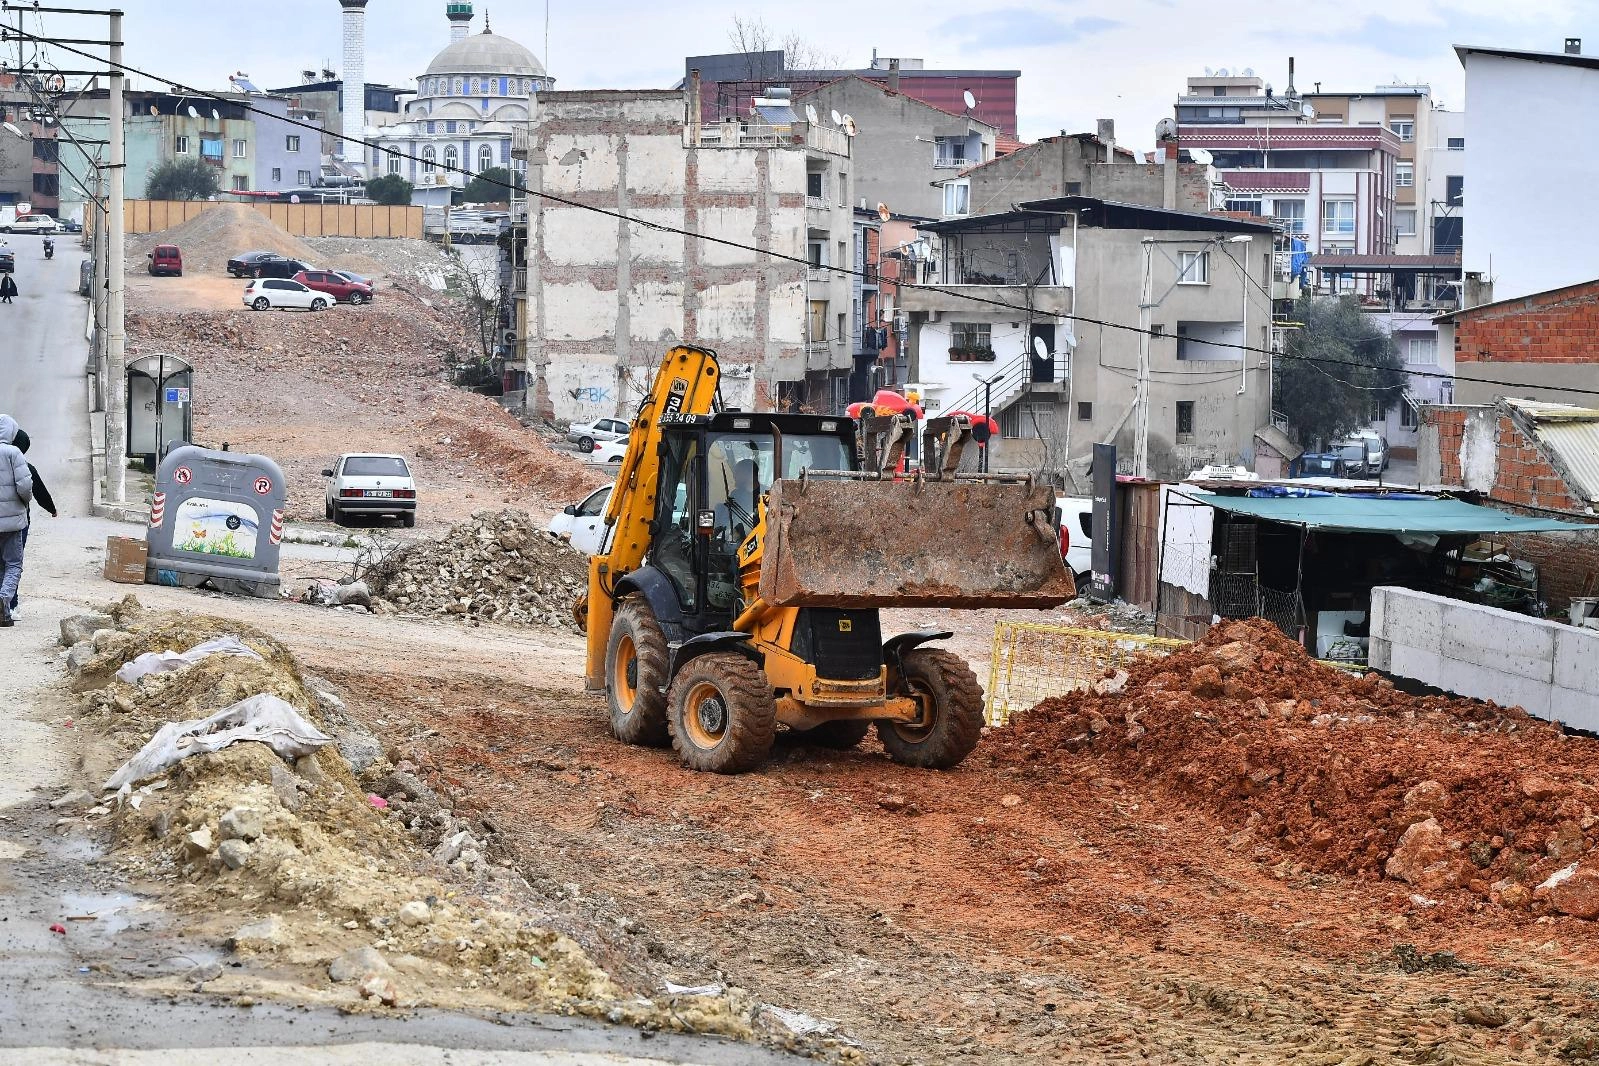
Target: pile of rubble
1311 767
498 566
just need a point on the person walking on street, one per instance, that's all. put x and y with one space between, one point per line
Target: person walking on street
8 288
16 494
41 495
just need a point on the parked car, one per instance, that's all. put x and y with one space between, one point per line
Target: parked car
587 434
85 276
582 524
70 225
354 278
274 293
1323 464
8 261
335 285
278 267
1376 450
166 259
1075 517
1355 455
609 452
375 484
31 224
243 265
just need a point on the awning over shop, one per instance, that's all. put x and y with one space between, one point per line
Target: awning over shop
1353 514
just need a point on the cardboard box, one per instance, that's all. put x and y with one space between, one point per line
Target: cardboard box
124 560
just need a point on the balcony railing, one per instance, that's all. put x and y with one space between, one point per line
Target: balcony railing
949 162
521 141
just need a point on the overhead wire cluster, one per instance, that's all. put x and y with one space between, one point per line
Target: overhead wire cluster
971 298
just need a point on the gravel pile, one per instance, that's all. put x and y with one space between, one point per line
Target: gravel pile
497 566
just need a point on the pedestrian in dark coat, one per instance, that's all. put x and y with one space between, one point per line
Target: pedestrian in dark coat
8 288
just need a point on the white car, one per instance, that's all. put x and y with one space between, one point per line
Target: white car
583 524
33 224
1075 514
587 434
265 294
609 452
370 483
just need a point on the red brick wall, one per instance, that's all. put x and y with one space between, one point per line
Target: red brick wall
1451 423
1560 326
1522 475
1567 562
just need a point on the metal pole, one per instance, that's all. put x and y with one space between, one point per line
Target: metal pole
98 294
116 429
1141 397
987 385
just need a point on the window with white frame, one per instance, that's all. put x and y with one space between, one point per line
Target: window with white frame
1404 175
180 145
394 163
816 254
814 185
303 177
971 342
241 182
428 159
1405 222
241 148
291 142
1407 414
1422 349
485 157
1404 128
452 157
957 198
1338 216
1292 214
1456 144
1193 268
277 174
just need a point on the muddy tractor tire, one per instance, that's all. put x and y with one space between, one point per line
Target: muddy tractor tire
723 714
952 703
841 735
635 675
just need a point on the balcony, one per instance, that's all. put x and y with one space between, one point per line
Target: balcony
1047 299
521 141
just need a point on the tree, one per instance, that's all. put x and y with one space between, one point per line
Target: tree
390 189
491 186
183 179
1337 371
750 35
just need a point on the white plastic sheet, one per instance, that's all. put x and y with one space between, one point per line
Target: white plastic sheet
263 718
161 662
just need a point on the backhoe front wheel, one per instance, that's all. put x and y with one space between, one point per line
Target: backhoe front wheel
952 712
723 714
635 675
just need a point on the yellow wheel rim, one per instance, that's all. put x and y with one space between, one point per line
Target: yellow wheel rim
625 681
705 715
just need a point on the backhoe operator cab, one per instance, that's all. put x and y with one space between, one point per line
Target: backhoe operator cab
740 583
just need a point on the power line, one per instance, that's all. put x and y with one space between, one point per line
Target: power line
780 256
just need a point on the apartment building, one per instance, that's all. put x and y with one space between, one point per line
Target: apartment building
597 302
1004 321
1406 111
1327 178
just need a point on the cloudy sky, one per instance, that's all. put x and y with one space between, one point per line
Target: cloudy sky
1080 59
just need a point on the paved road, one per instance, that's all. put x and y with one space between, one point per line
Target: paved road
51 1012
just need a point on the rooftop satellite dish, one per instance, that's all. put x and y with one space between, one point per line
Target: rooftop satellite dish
192 112
838 120
11 128
1040 349
1249 72
850 129
1166 128
1222 73
215 114
1200 156
154 110
883 212
810 114
971 101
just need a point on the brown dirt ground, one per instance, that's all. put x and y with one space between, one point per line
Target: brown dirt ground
990 913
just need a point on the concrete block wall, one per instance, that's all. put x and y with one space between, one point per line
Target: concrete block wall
1548 669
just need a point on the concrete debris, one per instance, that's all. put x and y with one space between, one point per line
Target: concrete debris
263 935
415 913
357 963
240 823
380 988
198 841
80 627
233 853
498 566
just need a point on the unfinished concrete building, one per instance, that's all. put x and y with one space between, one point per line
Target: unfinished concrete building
598 298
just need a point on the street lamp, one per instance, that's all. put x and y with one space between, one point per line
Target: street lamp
988 384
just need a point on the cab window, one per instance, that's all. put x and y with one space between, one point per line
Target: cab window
675 539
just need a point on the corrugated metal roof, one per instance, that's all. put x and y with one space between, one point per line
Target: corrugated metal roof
1364 514
1571 435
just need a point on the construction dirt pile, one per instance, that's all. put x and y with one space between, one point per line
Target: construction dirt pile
497 567
304 388
217 234
1313 768
293 873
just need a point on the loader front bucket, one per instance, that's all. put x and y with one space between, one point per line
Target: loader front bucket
912 544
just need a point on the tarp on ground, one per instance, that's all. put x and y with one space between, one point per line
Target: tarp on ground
1349 514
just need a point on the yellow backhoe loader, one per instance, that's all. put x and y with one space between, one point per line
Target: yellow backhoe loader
746 558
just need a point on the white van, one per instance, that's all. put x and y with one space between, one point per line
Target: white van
1075 517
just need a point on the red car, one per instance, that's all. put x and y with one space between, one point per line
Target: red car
339 288
166 259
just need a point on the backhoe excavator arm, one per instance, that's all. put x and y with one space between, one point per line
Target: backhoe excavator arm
685 385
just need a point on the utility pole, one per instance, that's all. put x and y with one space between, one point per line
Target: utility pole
116 417
1146 308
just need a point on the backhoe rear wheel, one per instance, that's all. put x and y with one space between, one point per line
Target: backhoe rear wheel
635 674
841 735
952 712
723 715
